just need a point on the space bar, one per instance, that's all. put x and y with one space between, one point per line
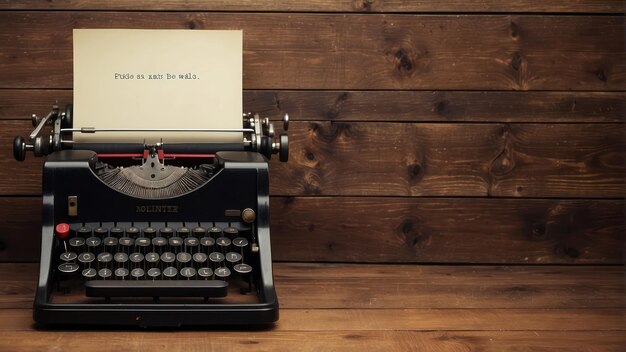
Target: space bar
157 288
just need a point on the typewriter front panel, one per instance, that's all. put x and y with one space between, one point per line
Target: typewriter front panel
204 253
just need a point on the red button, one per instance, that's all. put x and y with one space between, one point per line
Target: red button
63 230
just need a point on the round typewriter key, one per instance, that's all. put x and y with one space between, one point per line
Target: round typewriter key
183 257
200 258
126 242
170 272
166 231
62 230
183 231
136 257
188 272
152 257
68 267
215 231
121 273
86 257
205 272
110 242
154 273
191 242
175 241
120 257
132 231
199 231
223 241
159 241
233 257
89 273
168 257
231 231
84 231
117 231
93 242
105 257
242 268
77 242
104 273
207 241
240 242
149 231
68 256
101 231
216 257
222 272
143 241
137 273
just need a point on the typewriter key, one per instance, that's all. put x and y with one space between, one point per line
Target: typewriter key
191 243
242 268
89 273
231 231
183 257
84 232
105 257
199 231
207 242
104 273
136 257
116 231
137 273
93 242
233 257
166 231
68 256
76 242
183 232
154 273
222 272
170 272
200 258
86 257
205 272
168 257
216 257
68 267
110 242
152 258
188 272
132 231
159 242
215 231
223 241
126 243
121 273
240 242
120 257
101 231
149 231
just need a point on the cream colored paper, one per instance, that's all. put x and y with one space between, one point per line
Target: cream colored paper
134 79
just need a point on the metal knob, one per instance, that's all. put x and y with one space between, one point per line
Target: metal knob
283 154
286 122
19 148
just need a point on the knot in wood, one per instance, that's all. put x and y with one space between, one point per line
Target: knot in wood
502 164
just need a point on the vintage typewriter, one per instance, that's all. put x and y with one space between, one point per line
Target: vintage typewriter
154 235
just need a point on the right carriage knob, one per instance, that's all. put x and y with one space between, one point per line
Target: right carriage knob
282 147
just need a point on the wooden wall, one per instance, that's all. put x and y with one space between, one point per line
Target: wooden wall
474 131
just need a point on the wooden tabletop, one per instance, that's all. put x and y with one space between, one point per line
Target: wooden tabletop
352 307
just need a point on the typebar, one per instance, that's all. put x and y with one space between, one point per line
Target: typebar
174 288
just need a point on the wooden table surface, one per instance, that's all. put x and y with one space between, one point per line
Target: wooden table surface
351 307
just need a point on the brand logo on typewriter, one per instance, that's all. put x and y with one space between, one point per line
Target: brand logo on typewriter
156 208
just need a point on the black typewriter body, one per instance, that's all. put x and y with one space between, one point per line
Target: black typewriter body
193 256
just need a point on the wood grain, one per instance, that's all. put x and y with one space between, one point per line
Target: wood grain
470 52
329 340
313 286
551 6
385 106
513 160
419 159
341 229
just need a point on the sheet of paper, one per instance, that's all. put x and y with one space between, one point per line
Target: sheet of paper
134 78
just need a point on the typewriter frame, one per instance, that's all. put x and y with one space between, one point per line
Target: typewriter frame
246 166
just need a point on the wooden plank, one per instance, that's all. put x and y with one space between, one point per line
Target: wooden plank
326 340
409 106
552 6
514 160
349 286
406 230
474 52
415 319
419 159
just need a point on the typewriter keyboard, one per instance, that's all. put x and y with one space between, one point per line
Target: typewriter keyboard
156 259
